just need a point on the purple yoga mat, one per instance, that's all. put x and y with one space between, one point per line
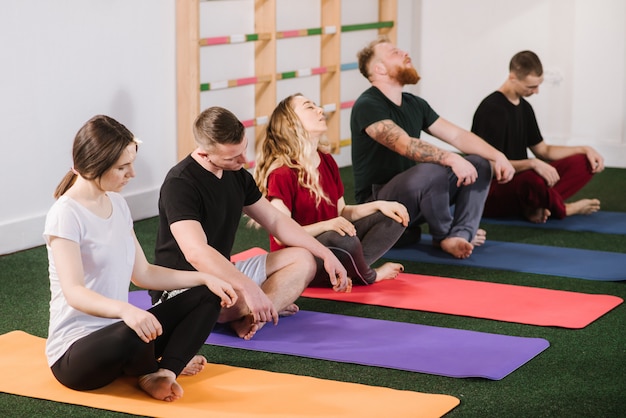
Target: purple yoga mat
395 345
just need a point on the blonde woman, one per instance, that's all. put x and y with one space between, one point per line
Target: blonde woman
302 180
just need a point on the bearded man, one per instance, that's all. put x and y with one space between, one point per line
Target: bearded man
391 162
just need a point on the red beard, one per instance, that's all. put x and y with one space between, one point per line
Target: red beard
406 75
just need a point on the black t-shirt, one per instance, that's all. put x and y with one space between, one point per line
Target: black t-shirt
373 163
190 192
509 128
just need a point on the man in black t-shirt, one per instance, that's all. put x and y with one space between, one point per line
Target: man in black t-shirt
200 207
541 185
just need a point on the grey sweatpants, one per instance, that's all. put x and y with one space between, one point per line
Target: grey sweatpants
429 190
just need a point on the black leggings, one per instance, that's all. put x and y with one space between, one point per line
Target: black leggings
115 350
375 235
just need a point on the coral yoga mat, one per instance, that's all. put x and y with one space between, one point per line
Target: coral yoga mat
501 302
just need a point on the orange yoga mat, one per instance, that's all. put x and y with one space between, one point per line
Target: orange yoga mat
501 302
218 391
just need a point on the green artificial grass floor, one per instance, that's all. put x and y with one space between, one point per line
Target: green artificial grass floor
582 373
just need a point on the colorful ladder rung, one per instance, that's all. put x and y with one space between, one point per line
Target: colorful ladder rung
218 85
349 66
306 72
347 104
261 120
326 30
365 26
233 39
345 142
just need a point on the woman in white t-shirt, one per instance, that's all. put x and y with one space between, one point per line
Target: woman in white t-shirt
94 334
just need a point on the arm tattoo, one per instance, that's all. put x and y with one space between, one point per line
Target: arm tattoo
389 134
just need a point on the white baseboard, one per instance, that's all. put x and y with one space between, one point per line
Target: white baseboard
21 234
27 233
614 154
144 204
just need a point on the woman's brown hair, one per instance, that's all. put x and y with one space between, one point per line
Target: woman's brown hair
98 145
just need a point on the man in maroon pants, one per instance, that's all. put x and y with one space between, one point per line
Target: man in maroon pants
540 185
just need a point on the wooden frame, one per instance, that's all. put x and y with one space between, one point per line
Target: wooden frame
187 73
188 64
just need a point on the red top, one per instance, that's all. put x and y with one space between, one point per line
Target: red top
282 184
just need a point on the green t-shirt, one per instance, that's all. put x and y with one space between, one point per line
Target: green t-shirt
373 163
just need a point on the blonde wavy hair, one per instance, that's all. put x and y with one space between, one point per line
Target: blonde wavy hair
286 143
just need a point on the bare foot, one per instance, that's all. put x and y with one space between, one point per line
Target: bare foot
537 215
289 310
479 238
195 366
388 271
582 207
457 247
161 385
245 327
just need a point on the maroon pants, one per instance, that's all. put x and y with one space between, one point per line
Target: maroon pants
528 190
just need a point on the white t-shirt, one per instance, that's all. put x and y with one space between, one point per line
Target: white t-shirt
107 250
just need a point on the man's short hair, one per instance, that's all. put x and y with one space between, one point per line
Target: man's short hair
524 63
217 125
365 55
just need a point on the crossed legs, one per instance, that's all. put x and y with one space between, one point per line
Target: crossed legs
428 190
376 234
115 350
528 195
288 272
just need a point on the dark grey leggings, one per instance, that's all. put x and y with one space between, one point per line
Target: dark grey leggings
102 356
375 234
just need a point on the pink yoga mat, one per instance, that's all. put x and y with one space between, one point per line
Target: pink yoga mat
501 302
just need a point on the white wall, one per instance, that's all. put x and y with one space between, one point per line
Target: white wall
466 46
65 60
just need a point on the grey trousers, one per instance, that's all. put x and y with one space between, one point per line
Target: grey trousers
429 190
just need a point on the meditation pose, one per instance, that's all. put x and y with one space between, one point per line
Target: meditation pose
200 208
303 182
94 334
391 162
541 185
